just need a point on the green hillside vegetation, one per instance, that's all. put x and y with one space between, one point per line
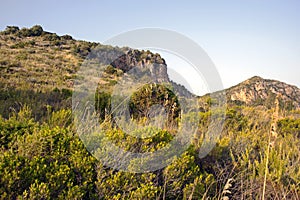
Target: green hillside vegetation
37 68
42 157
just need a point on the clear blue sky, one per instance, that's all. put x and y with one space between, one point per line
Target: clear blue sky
243 37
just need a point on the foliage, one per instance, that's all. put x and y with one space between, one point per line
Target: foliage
289 126
48 160
150 95
44 162
42 157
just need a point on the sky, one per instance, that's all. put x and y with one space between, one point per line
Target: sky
243 38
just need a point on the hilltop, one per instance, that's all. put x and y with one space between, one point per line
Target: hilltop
258 91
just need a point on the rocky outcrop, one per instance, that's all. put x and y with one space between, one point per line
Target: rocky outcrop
143 60
152 63
257 90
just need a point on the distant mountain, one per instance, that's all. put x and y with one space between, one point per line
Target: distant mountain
259 91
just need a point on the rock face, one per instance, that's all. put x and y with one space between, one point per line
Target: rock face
150 62
143 60
257 90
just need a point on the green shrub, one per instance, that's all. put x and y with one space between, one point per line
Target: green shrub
66 37
51 36
36 30
11 30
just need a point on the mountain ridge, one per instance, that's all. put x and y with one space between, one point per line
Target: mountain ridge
34 59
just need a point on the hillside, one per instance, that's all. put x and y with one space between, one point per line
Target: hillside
259 91
38 61
38 68
43 156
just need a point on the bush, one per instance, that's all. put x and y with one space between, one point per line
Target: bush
36 30
152 94
50 36
11 30
66 37
110 70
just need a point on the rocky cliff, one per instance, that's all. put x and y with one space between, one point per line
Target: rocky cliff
143 59
153 63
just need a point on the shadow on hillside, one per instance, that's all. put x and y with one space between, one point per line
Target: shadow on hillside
12 100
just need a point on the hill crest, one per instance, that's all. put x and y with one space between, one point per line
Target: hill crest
32 58
259 91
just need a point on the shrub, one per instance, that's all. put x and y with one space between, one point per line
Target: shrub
36 30
50 36
66 37
110 70
11 30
